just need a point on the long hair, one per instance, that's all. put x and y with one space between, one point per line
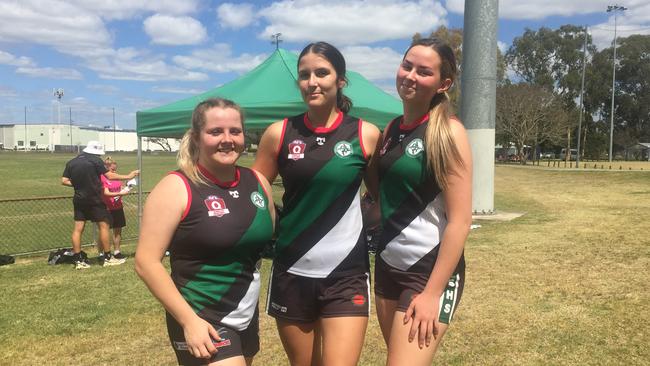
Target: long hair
334 56
188 151
441 151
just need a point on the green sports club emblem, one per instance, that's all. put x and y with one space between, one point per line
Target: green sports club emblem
343 149
258 200
414 148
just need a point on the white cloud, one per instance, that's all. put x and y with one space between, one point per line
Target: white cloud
50 72
540 9
235 16
219 58
131 64
7 58
503 47
373 63
125 9
174 31
6 92
176 90
104 88
349 22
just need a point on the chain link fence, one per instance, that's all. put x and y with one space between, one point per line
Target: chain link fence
41 224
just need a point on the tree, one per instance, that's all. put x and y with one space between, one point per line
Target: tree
454 38
162 142
552 59
528 115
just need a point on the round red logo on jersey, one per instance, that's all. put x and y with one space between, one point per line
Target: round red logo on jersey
358 299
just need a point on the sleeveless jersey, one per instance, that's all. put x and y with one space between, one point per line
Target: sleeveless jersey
320 230
412 204
214 251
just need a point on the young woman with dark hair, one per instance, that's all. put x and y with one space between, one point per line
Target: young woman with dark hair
319 287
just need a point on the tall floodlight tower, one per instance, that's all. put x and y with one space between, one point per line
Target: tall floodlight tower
478 100
615 9
58 93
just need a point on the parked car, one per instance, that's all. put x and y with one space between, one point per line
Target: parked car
547 155
573 156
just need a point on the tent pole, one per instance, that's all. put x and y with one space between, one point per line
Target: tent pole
139 183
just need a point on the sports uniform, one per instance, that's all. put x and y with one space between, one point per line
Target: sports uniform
114 204
321 262
213 256
414 220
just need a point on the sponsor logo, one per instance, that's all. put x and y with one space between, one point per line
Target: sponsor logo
401 137
257 200
297 150
358 300
182 346
414 148
234 194
320 141
385 147
279 307
216 206
343 149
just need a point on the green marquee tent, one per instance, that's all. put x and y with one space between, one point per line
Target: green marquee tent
268 93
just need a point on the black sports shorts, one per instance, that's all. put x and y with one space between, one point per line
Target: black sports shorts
94 213
394 284
305 299
117 218
233 342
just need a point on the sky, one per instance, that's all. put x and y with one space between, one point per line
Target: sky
114 58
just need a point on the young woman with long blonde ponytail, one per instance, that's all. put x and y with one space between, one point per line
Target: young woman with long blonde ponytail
425 178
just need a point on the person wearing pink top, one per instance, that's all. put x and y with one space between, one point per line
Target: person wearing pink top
112 197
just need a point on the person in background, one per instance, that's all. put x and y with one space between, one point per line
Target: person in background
214 217
83 174
425 194
319 289
113 192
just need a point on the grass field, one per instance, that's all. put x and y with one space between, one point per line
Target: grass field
566 284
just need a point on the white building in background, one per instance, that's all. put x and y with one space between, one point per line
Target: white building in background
62 137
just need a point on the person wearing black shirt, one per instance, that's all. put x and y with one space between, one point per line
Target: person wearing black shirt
83 174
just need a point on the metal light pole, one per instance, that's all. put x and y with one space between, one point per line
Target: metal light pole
58 93
614 9
582 91
25 143
114 145
71 149
276 40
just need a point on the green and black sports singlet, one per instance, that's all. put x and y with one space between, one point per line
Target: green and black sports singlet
320 231
412 204
217 244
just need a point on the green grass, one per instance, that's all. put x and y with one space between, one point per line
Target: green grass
40 223
565 284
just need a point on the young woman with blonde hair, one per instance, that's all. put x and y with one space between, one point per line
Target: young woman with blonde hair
425 178
214 217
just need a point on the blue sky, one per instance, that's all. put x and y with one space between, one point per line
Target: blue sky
130 55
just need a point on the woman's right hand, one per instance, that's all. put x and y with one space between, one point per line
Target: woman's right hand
198 336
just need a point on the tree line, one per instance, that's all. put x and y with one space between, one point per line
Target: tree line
538 91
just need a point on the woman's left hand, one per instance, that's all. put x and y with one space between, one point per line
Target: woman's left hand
423 310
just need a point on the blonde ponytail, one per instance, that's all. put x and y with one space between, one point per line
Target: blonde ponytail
441 150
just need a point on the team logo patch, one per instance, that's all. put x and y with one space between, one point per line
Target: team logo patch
258 200
343 149
358 300
414 148
297 150
234 194
320 141
216 206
